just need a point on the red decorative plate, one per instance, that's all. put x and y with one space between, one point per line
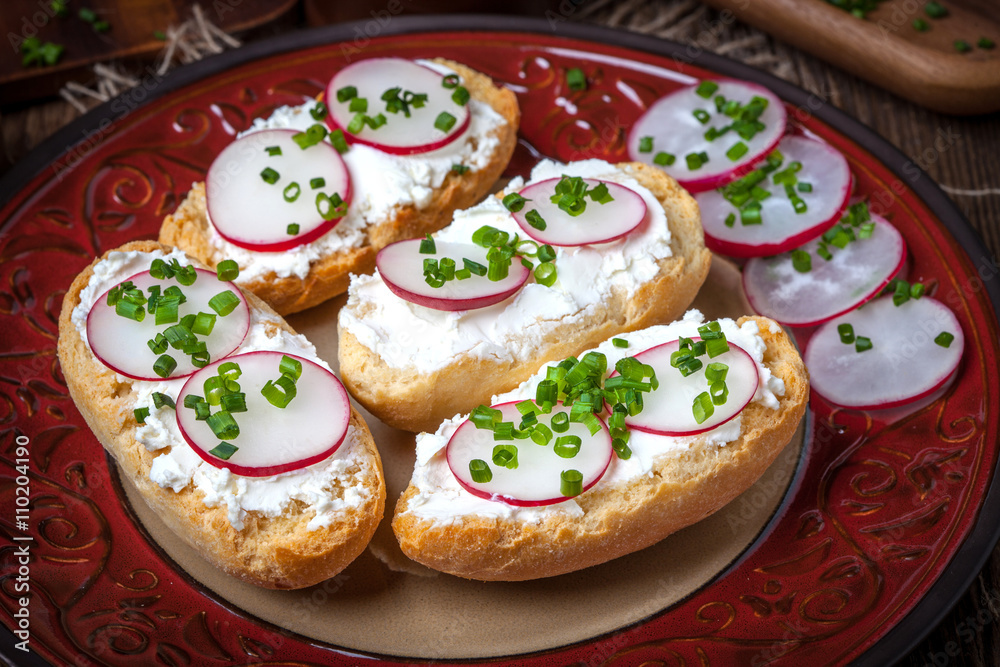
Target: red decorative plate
886 522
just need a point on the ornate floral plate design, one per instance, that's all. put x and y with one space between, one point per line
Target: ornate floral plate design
885 509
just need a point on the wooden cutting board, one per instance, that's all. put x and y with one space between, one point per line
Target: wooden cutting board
132 35
885 49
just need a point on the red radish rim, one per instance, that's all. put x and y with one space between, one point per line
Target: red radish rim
696 185
103 299
514 501
450 305
874 293
268 471
295 241
531 231
676 434
456 131
903 401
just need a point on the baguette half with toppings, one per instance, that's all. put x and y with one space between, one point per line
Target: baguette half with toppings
322 271
665 484
416 396
330 508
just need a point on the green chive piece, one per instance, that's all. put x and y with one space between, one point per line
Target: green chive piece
290 366
164 365
619 342
330 206
236 402
158 345
291 192
270 176
917 290
738 150
338 141
985 43
292 229
191 400
694 161
358 105
460 96
480 471
280 392
703 407
535 219
935 10
450 81
646 144
160 400
273 150
141 414
962 46
719 392
445 121
567 446
224 302
560 422
505 455
223 450
318 112
846 332
570 483
159 35
347 93
227 270
514 202
944 339
664 159
459 168
427 245
130 310
862 343
576 79
203 324
701 116
546 274
801 261
706 89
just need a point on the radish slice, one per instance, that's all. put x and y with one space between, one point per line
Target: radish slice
401 266
855 274
904 363
667 410
252 213
401 134
671 124
536 479
781 228
120 343
599 223
271 440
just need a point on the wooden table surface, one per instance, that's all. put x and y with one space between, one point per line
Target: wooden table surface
962 154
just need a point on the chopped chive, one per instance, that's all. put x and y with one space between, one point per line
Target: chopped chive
560 422
801 261
546 253
273 150
235 402
460 96
716 347
535 219
427 245
846 333
227 270
318 112
203 324
292 229
224 302
619 342
357 123
694 161
862 343
290 366
317 183
164 365
703 407
920 25
141 414
159 35
935 10
158 345
736 151
570 483
330 206
291 192
338 141
962 46
445 121
567 446
750 214
719 392
514 202
223 450
191 400
917 290
450 81
546 274
358 105
505 455
161 399
270 175
459 168
944 339
985 43
646 144
480 471
706 89
701 116
474 267
130 310
576 79
664 159
280 392
347 93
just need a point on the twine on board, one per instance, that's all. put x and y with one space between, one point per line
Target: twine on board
192 40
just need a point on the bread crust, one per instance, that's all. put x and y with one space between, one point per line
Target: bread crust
188 227
413 401
626 517
279 552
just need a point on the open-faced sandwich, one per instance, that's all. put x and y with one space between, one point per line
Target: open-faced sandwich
601 455
579 253
310 194
236 434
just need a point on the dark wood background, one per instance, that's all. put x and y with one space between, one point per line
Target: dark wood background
962 154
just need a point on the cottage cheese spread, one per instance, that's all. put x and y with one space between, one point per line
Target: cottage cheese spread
380 184
441 499
407 335
329 487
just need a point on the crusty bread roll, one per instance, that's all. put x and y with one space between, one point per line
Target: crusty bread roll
188 227
408 399
274 552
624 517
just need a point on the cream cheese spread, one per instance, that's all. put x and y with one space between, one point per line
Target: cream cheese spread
441 499
381 183
329 487
406 335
